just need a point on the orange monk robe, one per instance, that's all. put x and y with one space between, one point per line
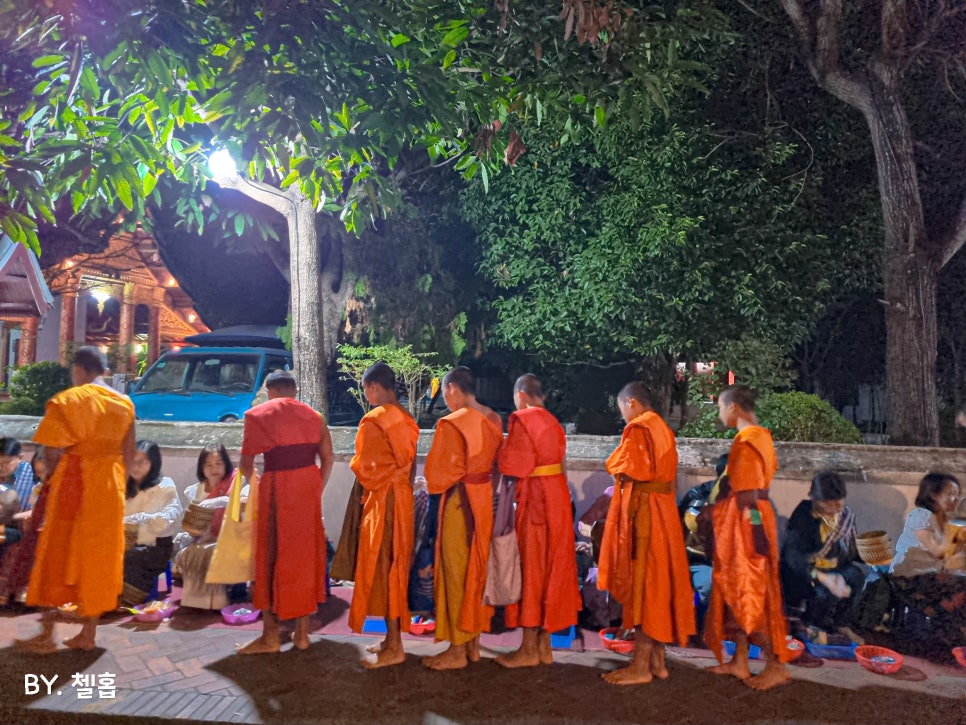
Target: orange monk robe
544 522
643 562
383 464
80 553
745 585
460 466
290 554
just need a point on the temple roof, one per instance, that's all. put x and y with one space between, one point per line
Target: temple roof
23 290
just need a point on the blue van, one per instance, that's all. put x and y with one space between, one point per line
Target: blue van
214 384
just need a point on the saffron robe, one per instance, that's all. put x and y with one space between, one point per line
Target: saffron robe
460 466
290 555
745 585
544 522
643 562
80 551
383 465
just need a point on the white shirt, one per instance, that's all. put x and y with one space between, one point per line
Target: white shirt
911 556
156 510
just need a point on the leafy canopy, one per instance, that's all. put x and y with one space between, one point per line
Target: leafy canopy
106 97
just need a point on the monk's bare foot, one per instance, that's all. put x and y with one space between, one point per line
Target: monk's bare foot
473 650
543 647
41 644
771 676
386 658
376 647
301 641
519 658
731 668
453 658
81 642
632 675
658 667
850 633
258 646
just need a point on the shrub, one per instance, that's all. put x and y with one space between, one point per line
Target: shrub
33 385
803 417
789 416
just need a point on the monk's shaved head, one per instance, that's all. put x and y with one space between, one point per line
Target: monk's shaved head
529 384
741 395
462 378
637 391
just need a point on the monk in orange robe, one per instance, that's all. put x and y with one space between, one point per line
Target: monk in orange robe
290 555
460 466
533 454
746 598
89 434
383 464
643 562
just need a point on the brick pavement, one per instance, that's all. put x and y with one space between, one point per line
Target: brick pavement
184 671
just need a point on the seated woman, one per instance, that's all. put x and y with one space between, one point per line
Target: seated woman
928 574
215 474
18 552
820 567
154 507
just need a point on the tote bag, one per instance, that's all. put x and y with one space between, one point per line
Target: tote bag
344 561
233 560
504 578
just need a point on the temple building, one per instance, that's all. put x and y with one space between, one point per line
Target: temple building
25 303
124 300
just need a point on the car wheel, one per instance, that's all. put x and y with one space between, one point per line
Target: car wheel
229 419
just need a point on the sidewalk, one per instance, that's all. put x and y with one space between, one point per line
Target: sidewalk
184 670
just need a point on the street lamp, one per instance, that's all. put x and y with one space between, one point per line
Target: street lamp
305 300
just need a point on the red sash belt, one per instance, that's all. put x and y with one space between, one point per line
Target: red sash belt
474 478
288 458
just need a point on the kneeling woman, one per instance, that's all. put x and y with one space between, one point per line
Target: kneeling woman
820 567
215 475
928 572
153 505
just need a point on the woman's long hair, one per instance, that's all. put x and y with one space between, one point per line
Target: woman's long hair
153 477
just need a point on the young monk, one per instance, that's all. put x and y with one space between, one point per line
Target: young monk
643 562
383 465
533 453
746 598
460 467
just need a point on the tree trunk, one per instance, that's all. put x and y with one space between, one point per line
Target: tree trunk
334 283
308 345
910 272
657 373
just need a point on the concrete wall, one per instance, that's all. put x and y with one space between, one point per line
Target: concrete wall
882 480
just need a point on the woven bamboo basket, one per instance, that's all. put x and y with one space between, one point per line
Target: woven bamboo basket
130 536
875 548
197 519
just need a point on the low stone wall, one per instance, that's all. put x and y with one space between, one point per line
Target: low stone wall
882 480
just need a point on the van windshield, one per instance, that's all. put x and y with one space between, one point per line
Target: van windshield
226 373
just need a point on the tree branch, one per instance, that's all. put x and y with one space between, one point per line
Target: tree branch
819 39
957 237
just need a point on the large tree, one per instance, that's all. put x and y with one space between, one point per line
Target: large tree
901 65
316 101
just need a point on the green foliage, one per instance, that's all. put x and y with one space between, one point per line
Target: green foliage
633 244
109 98
33 385
799 416
413 370
793 416
758 363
